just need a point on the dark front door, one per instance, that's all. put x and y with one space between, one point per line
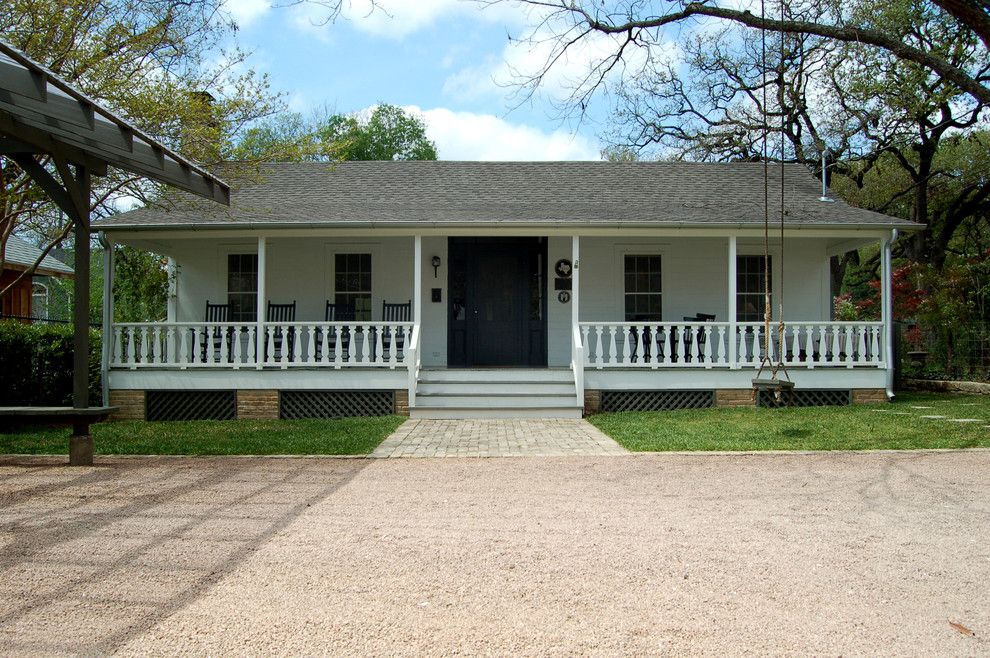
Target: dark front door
497 309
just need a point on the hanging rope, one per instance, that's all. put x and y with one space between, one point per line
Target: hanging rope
776 365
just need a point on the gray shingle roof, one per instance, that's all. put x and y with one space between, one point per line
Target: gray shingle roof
527 193
21 255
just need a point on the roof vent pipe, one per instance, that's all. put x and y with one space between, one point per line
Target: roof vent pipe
824 196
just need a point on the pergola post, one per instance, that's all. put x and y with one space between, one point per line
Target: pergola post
81 442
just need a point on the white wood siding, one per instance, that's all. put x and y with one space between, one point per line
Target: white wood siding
694 279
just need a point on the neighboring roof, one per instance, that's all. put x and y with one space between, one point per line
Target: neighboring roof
41 111
444 193
20 255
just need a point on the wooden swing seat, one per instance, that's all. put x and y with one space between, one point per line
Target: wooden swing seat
772 384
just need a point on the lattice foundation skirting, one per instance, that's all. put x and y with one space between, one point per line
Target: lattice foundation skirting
805 398
656 400
190 405
335 404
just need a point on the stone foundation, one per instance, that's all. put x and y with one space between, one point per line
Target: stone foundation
130 403
941 386
402 402
868 395
734 397
592 402
257 405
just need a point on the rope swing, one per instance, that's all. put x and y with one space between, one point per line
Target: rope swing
772 383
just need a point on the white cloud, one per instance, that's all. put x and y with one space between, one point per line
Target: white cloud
245 12
397 18
470 136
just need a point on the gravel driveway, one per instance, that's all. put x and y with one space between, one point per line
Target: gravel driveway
811 554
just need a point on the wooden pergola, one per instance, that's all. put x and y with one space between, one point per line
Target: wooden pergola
43 116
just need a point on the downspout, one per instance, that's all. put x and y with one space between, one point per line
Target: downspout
107 338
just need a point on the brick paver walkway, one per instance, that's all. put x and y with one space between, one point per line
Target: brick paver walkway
497 438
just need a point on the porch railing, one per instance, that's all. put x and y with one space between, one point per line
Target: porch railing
730 345
283 345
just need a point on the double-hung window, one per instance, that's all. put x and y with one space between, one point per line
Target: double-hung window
242 287
751 287
352 283
643 292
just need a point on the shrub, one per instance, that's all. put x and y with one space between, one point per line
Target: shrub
36 364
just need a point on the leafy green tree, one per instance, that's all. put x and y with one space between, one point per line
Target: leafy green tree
387 133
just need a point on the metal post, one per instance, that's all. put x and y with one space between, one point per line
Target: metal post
80 442
733 337
260 319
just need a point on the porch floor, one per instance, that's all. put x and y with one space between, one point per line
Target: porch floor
497 438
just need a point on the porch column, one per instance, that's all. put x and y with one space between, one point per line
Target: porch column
260 319
887 310
173 291
106 344
733 337
417 280
575 279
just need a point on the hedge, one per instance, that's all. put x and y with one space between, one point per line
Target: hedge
36 364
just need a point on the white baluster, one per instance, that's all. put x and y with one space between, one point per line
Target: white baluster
836 347
741 348
310 343
796 344
876 345
116 345
708 345
809 346
628 338
599 356
284 355
235 354
720 353
253 343
611 345
183 353
678 339
270 342
156 344
130 348
297 333
195 346
861 351
338 348
144 346
378 354
849 346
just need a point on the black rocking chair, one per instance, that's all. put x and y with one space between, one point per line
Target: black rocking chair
211 341
282 313
336 313
395 313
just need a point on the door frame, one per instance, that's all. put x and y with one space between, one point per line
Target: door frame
459 338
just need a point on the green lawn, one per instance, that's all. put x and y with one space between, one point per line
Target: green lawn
860 427
347 436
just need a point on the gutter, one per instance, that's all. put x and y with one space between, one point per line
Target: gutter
268 226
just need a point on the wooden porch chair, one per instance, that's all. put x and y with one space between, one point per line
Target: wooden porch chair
395 313
282 313
211 341
336 313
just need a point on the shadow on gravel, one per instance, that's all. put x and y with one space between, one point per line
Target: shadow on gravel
90 559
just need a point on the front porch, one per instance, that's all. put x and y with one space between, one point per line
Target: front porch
659 311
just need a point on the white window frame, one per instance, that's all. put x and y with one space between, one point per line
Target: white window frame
331 278
646 249
224 253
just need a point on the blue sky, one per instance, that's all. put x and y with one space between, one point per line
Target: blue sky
446 59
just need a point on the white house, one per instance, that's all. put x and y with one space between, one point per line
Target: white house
467 289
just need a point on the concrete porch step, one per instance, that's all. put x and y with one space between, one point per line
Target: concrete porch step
495 388
496 401
491 375
466 413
